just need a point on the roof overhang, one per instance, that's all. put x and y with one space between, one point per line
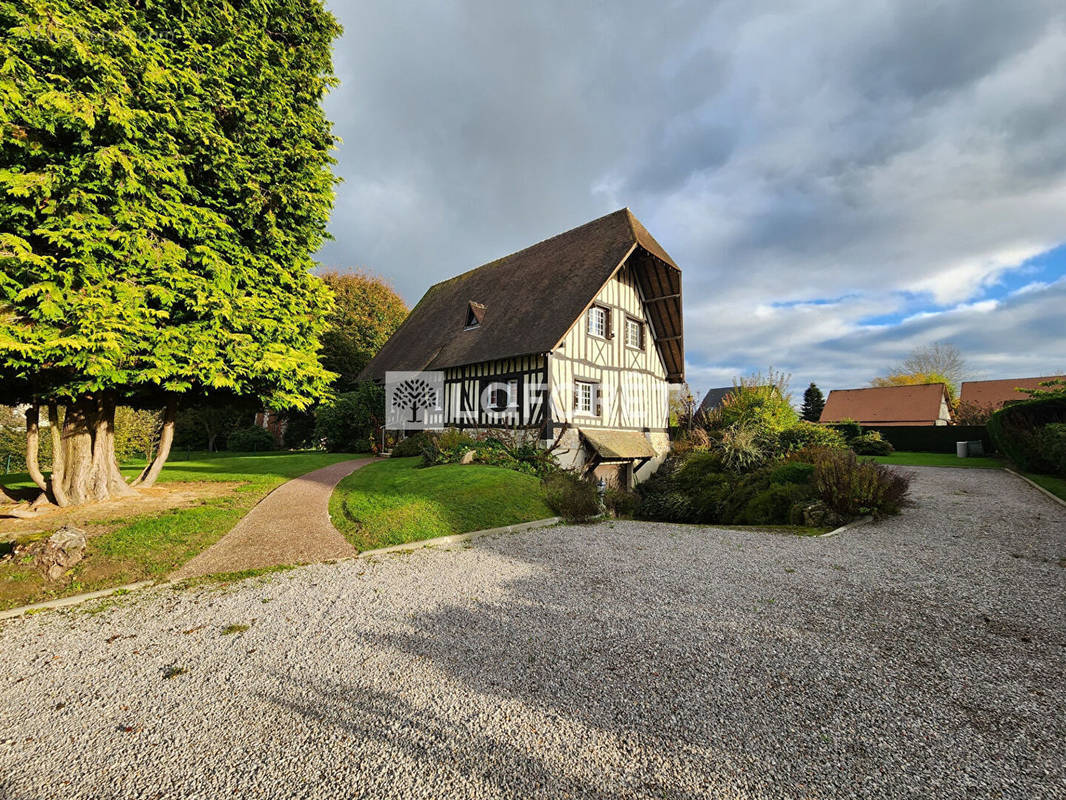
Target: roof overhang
618 445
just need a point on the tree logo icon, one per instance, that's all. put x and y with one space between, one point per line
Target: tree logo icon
414 400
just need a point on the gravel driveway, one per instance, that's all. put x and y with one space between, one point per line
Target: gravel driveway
922 657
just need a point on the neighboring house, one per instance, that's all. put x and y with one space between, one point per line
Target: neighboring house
573 341
991 395
715 399
922 404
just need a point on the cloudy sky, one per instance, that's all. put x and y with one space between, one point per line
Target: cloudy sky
838 181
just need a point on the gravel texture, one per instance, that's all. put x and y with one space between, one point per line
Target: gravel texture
291 525
919 657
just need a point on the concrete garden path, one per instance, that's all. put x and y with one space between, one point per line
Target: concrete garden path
291 525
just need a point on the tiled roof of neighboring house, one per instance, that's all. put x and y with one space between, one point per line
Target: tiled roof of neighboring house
529 299
886 405
993 394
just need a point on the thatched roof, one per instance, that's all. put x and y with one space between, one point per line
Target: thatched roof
614 445
528 300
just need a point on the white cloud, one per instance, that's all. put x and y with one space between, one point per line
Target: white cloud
818 149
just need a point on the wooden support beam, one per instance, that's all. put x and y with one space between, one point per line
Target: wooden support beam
670 338
663 297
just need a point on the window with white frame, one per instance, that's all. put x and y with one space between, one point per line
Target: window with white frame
598 321
585 397
504 396
634 334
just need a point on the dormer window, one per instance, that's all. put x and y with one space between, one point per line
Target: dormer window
475 313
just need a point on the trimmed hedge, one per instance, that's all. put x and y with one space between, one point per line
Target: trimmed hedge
1016 430
932 438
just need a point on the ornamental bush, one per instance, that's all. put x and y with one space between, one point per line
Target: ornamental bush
871 443
851 487
250 439
1016 431
808 434
1051 443
572 497
413 445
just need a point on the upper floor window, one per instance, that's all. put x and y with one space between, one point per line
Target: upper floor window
598 321
586 398
634 334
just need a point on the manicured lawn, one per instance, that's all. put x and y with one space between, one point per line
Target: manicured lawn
1057 486
151 546
940 460
396 501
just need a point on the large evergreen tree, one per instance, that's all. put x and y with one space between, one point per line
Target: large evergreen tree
813 403
165 173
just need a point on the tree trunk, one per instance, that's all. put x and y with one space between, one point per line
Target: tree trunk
33 466
85 469
166 439
56 431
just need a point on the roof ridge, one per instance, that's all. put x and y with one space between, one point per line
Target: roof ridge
567 232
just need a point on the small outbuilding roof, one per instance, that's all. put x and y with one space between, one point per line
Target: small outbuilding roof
993 394
614 445
526 302
920 404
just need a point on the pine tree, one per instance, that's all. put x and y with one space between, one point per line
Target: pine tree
813 403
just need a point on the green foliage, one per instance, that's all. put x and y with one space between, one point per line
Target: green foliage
206 426
851 487
1015 430
1051 444
572 497
662 497
620 502
759 402
165 169
250 439
498 449
299 430
349 422
774 505
153 545
1049 390
394 500
742 448
413 445
807 434
366 312
813 403
871 443
848 428
792 472
136 433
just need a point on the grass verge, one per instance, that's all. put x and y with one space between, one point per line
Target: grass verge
905 459
1057 486
151 547
396 501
